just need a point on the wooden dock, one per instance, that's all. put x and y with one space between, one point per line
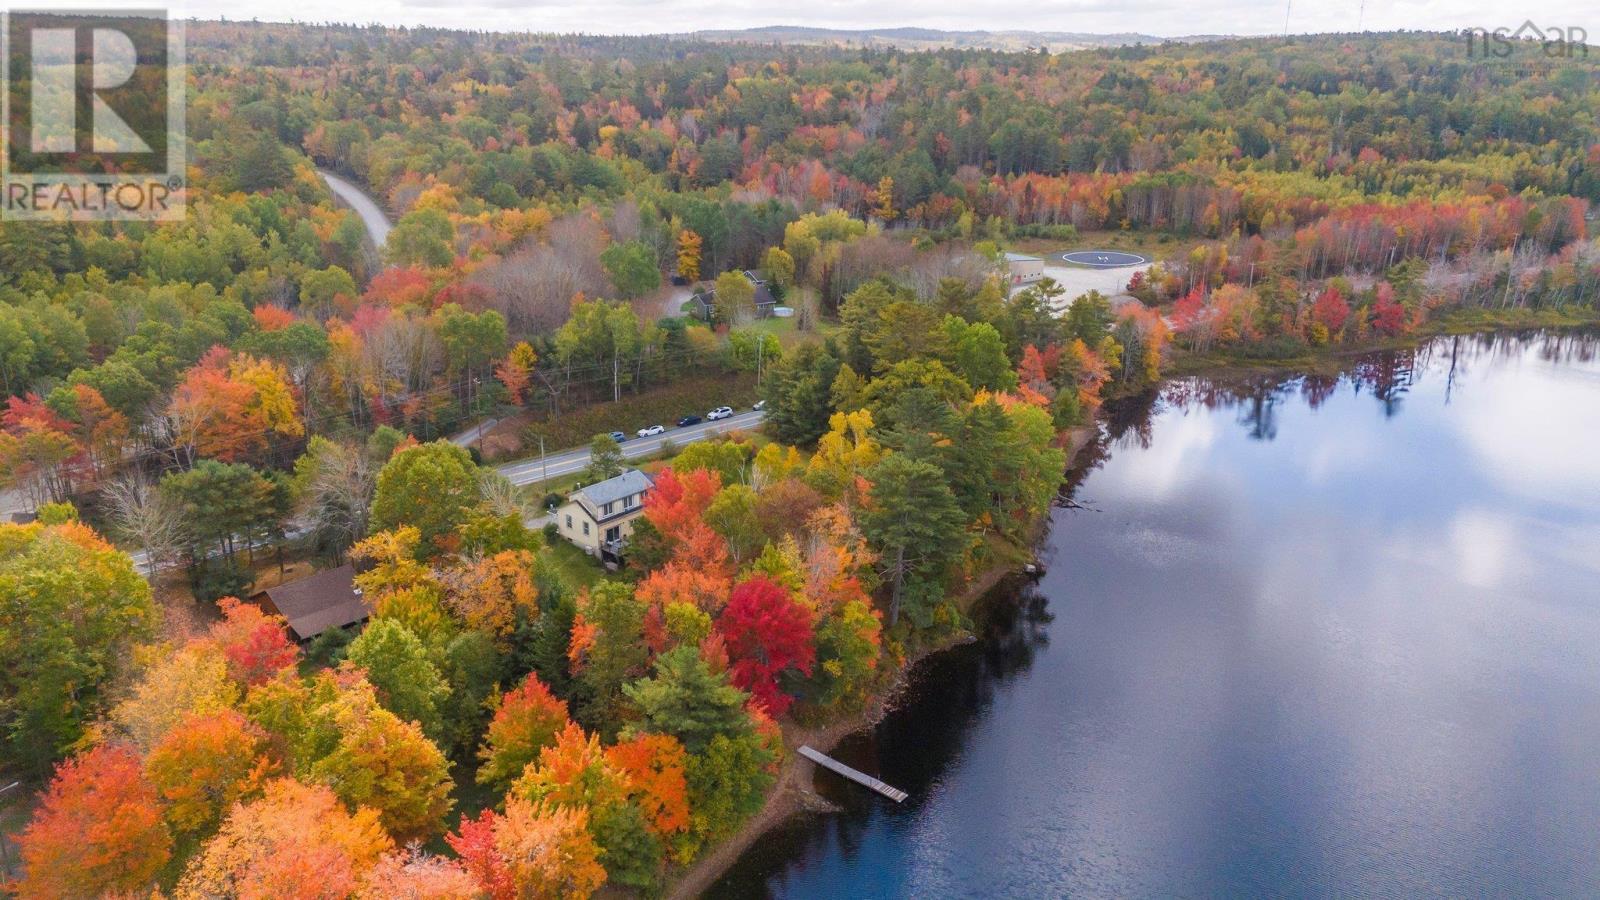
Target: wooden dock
828 762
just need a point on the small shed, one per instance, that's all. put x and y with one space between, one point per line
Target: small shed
316 603
1024 269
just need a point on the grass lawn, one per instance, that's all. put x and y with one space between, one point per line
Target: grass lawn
577 568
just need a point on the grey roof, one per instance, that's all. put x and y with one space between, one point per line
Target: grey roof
1022 257
316 603
596 496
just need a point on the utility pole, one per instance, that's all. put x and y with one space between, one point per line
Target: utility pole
543 466
475 382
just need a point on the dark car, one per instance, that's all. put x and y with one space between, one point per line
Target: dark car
686 421
618 436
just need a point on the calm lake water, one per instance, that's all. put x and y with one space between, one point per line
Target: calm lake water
1314 636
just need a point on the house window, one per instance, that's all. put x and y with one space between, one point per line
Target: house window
605 510
627 502
569 521
586 529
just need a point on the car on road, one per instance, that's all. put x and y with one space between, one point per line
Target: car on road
618 436
721 412
686 421
652 430
760 405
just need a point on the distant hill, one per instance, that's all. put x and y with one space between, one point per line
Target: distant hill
929 38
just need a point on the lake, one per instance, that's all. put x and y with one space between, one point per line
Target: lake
1298 636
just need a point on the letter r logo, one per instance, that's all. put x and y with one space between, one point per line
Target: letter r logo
55 91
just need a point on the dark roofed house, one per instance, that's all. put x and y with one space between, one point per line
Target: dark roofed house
316 603
763 302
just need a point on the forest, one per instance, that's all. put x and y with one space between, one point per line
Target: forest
189 405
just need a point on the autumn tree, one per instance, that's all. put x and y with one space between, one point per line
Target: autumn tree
414 874
768 633
255 644
70 607
575 773
533 850
231 404
333 731
296 841
689 244
191 679
735 297
883 200
527 719
1328 315
653 767
779 266
205 764
844 454
492 593
98 830
848 647
516 371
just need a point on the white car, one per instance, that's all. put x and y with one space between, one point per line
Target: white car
652 431
721 412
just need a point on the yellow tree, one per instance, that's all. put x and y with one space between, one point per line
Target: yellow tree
689 255
883 197
191 681
843 454
381 762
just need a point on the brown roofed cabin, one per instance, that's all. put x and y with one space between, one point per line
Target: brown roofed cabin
316 603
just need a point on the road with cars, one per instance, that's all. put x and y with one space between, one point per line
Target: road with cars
567 462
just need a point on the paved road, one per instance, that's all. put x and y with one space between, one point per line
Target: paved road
570 461
378 225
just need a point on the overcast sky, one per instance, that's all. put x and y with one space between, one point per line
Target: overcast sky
1167 18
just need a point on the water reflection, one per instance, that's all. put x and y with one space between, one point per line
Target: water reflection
1300 635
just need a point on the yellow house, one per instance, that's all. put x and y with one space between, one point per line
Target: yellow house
600 517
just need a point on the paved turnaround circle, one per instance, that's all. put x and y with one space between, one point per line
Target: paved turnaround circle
1102 259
